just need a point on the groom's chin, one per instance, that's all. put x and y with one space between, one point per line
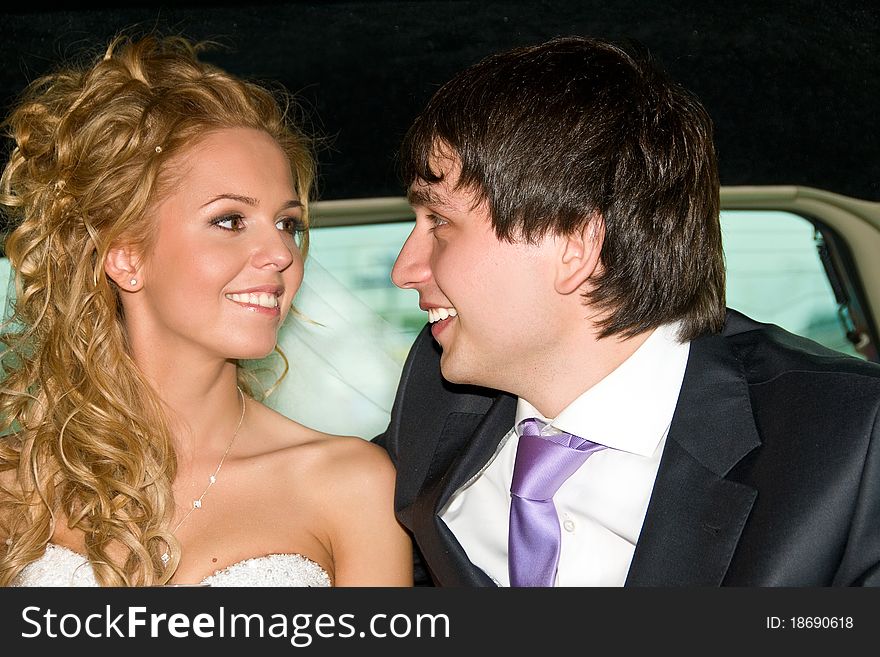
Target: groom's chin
455 370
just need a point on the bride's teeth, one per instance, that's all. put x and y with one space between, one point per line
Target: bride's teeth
263 299
443 313
453 312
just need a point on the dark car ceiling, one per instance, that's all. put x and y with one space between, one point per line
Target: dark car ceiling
793 87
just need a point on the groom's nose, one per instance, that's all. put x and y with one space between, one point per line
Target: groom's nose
412 268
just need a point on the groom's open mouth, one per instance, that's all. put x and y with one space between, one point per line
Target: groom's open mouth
439 314
440 318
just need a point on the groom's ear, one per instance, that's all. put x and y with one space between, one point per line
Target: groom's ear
579 255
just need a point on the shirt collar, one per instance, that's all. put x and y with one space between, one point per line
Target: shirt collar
632 407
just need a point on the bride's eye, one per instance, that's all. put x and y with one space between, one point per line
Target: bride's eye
292 225
233 222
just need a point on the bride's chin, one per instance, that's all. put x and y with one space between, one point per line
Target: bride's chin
256 351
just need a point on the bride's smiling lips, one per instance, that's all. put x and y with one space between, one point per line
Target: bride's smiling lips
264 299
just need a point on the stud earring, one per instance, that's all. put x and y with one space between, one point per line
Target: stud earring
133 281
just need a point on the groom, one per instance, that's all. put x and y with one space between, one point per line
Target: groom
582 409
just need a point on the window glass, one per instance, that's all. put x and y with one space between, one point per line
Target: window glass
5 284
774 275
348 344
360 258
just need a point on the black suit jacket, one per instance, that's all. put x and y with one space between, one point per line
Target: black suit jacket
770 475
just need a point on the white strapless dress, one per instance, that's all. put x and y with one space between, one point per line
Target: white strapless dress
61 566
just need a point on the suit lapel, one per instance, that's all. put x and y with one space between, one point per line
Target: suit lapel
478 440
696 516
481 446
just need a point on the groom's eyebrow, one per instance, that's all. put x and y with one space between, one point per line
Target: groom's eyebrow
423 196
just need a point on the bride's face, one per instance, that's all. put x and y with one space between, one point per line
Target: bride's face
225 263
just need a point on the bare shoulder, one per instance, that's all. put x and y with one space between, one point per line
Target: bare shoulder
336 492
348 465
328 461
279 431
353 484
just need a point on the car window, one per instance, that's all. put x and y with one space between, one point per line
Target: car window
347 342
361 257
774 274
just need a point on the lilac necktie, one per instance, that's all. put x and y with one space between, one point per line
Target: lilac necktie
543 463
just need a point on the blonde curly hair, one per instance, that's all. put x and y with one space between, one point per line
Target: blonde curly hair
83 437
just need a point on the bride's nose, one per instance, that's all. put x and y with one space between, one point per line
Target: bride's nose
274 248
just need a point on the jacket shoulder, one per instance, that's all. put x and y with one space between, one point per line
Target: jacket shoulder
768 351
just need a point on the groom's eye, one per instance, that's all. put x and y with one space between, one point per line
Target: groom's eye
436 221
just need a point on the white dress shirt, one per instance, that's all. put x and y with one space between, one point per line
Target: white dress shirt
602 506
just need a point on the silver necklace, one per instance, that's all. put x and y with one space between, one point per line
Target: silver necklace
197 503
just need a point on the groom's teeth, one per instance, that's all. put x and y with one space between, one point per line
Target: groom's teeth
438 314
263 299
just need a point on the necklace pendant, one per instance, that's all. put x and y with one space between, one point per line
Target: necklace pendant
212 479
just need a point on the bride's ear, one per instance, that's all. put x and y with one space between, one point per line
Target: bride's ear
123 265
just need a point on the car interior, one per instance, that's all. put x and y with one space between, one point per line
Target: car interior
792 90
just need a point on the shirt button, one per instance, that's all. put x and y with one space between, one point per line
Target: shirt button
568 525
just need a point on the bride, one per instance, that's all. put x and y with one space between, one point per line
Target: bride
161 214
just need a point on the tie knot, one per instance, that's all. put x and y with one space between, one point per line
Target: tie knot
531 427
544 463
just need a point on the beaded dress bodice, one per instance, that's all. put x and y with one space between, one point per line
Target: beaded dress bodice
61 566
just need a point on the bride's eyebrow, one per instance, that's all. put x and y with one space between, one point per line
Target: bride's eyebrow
251 201
247 200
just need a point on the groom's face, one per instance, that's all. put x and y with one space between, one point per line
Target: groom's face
485 297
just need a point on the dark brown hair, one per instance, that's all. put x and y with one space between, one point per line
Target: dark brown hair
555 135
